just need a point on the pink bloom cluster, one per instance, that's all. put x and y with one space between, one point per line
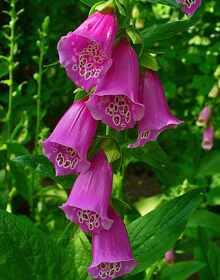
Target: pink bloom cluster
208 135
119 100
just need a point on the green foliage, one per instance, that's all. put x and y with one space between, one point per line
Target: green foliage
208 252
181 270
153 155
157 232
28 253
42 164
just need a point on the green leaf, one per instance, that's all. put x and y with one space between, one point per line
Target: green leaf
134 35
210 164
181 270
120 206
153 155
207 252
20 132
19 180
27 253
172 3
159 32
90 3
154 234
112 149
148 61
43 165
78 249
3 69
79 94
205 219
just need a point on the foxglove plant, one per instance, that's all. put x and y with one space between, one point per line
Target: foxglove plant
68 145
86 52
157 116
208 138
111 250
89 199
115 100
204 116
190 6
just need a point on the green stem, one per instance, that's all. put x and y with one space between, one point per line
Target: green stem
11 68
39 101
11 87
38 126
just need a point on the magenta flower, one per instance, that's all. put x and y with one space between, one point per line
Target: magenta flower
190 6
157 116
204 116
170 257
85 53
111 250
69 143
208 138
89 199
115 100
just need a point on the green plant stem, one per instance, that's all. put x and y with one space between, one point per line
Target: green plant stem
11 87
11 68
39 101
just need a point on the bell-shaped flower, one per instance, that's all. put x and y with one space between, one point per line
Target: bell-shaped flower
157 116
89 199
190 6
86 52
204 116
170 257
115 100
69 143
208 138
111 250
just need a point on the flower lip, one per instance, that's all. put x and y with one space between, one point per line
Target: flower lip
115 110
66 160
88 219
110 270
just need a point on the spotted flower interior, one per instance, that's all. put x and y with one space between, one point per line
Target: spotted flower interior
83 59
65 159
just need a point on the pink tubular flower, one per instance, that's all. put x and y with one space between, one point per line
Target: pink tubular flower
204 116
170 257
89 199
69 143
190 6
115 98
208 138
85 53
111 250
157 116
